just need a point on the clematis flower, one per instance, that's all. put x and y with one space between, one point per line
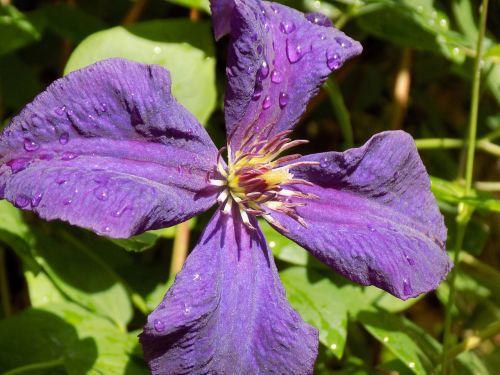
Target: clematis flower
108 148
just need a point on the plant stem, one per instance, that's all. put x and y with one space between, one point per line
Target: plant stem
465 211
337 101
134 13
180 250
483 144
401 91
4 286
473 342
36 366
487 185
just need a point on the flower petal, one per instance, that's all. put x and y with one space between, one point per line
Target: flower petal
278 58
376 221
108 148
221 16
227 312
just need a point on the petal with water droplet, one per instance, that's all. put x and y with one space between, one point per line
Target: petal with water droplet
203 325
133 153
375 220
294 50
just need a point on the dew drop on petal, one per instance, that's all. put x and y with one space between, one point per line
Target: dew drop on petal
276 77
30 145
104 107
283 99
257 92
67 201
275 9
333 60
263 71
410 260
324 162
196 277
101 193
68 155
36 199
64 138
159 326
21 201
343 42
266 103
18 165
293 52
407 289
106 229
60 110
287 27
187 309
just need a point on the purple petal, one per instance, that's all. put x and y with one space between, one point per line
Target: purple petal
376 221
278 58
227 312
108 148
221 16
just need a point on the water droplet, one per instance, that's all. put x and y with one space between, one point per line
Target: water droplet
287 27
68 155
411 364
276 77
259 49
35 199
333 346
67 201
371 228
272 244
104 107
283 99
18 165
64 138
410 260
159 326
443 23
266 103
343 42
254 37
275 9
407 289
333 60
119 213
106 229
324 162
385 339
101 193
21 201
46 156
322 36
157 50
456 51
60 110
293 52
187 309
196 277
319 19
257 92
263 71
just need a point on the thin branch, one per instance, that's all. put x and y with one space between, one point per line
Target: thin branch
474 341
401 91
134 13
180 250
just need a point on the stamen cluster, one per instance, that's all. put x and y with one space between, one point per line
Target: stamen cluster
258 183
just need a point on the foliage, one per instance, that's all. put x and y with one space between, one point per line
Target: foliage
73 302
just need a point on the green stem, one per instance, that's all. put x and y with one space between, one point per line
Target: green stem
180 249
492 186
4 285
465 211
341 112
473 342
483 144
36 366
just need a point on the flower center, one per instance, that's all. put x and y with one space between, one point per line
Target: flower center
257 180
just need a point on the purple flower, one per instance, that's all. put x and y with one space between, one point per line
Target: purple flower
108 148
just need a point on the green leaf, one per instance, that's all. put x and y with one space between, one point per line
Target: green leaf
416 24
83 277
413 346
68 339
70 22
196 4
15 233
42 290
314 297
16 29
183 47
